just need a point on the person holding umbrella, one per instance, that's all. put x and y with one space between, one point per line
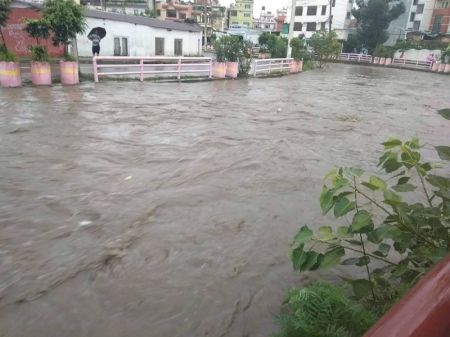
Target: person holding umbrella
95 36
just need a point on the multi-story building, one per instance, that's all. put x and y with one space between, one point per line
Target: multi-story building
410 21
315 15
211 13
241 13
266 21
132 7
280 19
174 10
440 18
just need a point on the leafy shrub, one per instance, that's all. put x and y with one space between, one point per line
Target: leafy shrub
418 231
245 57
219 47
299 51
323 310
325 46
39 53
275 45
7 57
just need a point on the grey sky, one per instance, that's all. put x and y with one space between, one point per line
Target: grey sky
271 5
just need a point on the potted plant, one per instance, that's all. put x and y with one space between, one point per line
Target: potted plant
245 57
298 53
9 69
445 58
40 65
231 50
220 65
389 53
65 19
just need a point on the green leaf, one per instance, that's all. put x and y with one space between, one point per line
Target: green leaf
354 242
410 158
302 236
385 156
372 187
391 165
444 113
343 232
404 188
414 143
438 254
351 172
361 287
379 183
362 222
343 206
443 151
351 261
383 250
392 198
326 199
325 233
332 257
403 180
391 143
298 257
426 167
311 262
438 181
363 261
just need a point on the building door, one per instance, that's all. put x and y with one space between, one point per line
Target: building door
178 48
159 46
437 24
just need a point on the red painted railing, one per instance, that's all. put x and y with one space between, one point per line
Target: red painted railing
423 312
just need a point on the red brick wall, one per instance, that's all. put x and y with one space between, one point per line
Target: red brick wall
17 40
445 22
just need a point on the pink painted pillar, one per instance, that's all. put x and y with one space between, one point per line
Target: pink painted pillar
94 66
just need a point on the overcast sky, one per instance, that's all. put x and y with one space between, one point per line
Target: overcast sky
271 5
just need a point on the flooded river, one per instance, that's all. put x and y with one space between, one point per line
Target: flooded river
151 210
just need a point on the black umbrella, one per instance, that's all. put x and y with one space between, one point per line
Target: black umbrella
100 31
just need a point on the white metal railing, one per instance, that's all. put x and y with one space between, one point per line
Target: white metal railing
270 65
355 57
151 65
412 63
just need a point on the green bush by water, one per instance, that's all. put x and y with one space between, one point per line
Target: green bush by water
323 310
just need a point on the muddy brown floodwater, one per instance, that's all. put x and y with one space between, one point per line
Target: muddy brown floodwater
153 210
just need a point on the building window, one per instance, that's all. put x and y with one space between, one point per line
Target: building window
182 16
158 12
246 24
420 9
247 15
323 26
159 46
324 10
416 25
334 3
412 16
233 13
178 48
120 46
299 11
171 13
297 27
247 6
311 27
348 15
350 2
415 2
235 23
312 10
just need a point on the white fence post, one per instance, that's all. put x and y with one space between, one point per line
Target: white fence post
179 69
142 70
210 68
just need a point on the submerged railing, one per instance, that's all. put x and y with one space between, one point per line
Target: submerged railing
355 57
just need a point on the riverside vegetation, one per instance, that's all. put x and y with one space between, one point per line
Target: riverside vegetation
394 226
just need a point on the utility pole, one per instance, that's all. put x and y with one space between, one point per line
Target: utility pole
330 19
205 21
291 28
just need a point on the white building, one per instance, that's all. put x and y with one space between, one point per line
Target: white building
314 15
131 35
412 20
266 21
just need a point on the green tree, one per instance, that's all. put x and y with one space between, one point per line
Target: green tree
374 17
299 51
5 9
38 29
325 45
65 19
245 57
